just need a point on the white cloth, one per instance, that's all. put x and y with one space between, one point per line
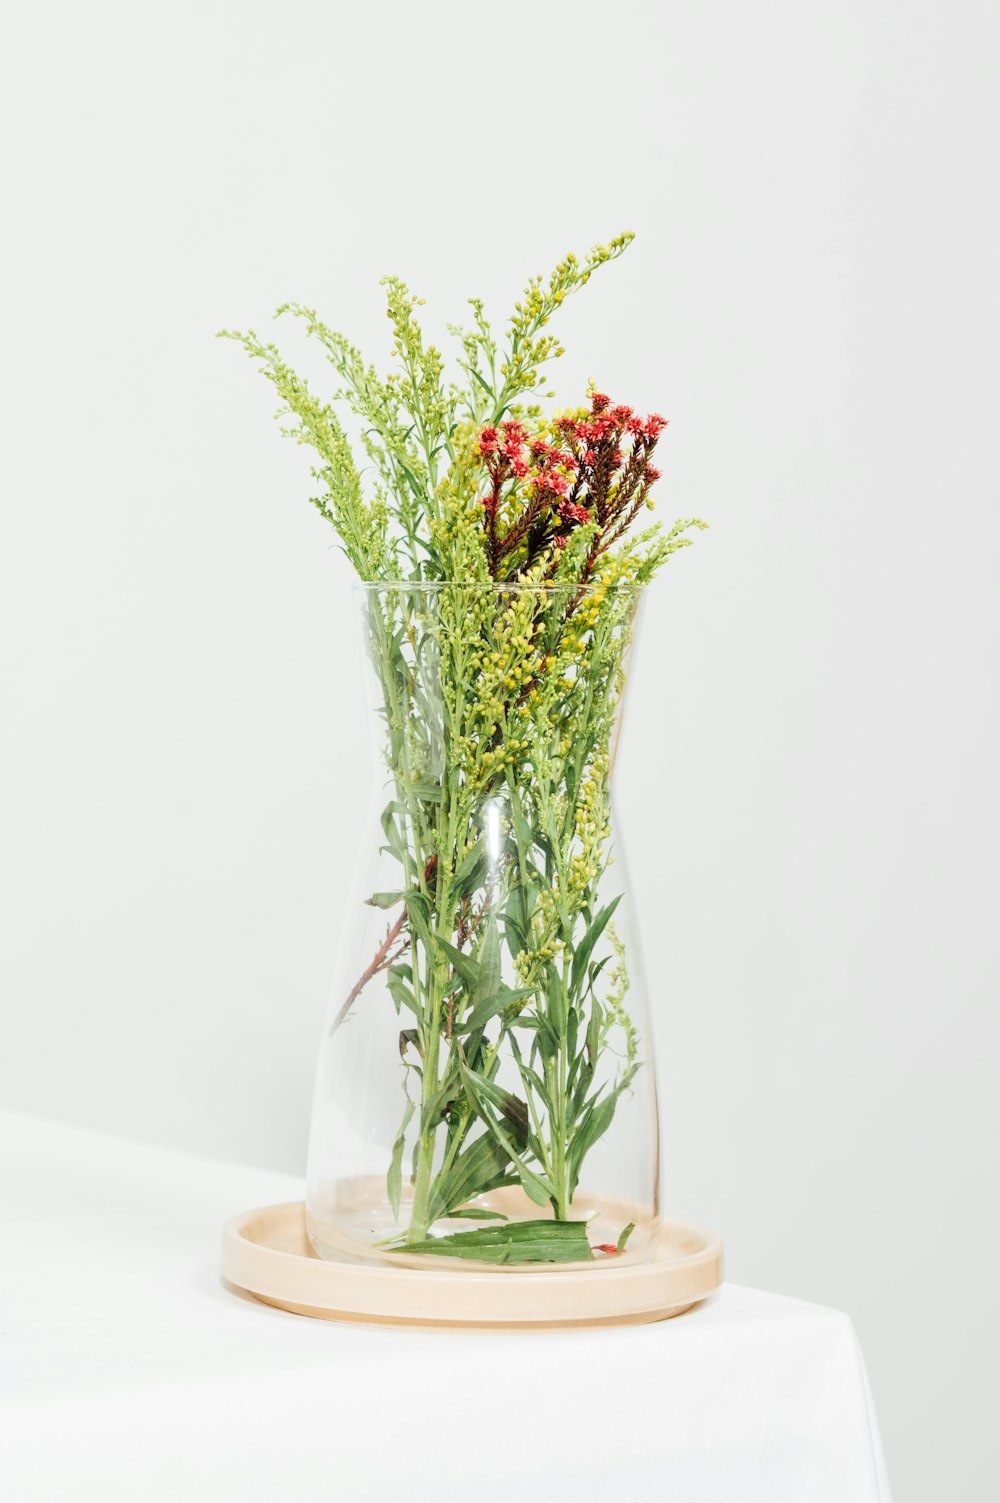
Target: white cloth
130 1374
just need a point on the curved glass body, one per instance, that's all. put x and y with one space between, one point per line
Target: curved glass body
485 1089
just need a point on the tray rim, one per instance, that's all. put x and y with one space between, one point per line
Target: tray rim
478 1295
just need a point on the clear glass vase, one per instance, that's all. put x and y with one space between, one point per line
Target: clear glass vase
485 1089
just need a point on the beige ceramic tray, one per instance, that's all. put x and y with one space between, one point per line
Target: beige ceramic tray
267 1254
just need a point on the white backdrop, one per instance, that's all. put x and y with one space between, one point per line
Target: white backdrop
808 783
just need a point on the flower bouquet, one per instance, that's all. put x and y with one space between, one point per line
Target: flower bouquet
485 1089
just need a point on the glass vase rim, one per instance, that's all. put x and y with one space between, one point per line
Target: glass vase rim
494 586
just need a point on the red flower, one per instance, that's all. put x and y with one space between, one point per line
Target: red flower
634 424
570 512
489 441
621 414
654 425
652 473
590 457
551 480
519 467
592 433
599 401
560 542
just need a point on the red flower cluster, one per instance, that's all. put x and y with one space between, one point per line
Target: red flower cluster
601 423
599 472
508 442
551 480
570 512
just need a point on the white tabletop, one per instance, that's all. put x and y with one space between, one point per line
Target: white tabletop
129 1372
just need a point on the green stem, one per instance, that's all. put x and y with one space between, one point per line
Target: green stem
420 1209
560 1145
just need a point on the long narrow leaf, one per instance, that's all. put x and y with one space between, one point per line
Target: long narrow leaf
480 1091
394 1179
514 1242
480 1167
585 948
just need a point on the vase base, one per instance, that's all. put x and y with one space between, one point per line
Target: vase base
266 1253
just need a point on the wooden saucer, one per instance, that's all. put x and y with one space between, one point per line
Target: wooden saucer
267 1254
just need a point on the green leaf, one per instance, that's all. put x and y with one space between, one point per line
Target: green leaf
595 970
585 949
594 1033
489 961
480 1167
572 1029
581 1088
471 870
626 1234
394 1179
515 934
484 384
509 1106
437 1108
531 1077
522 830
412 480
428 791
594 1125
488 1007
463 965
514 1242
548 1039
555 1002
480 1091
402 995
419 911
385 899
536 1189
472 1214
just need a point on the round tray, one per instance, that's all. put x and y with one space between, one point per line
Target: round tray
267 1254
